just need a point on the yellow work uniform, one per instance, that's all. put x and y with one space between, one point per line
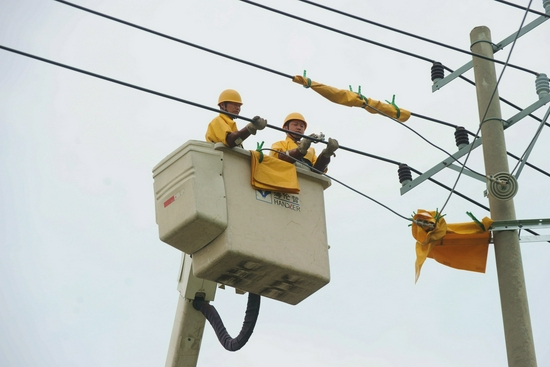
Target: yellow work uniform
219 128
288 144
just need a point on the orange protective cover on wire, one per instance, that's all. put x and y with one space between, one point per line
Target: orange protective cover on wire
460 245
273 174
352 99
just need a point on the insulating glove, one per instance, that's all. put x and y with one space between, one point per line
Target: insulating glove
332 145
257 123
304 145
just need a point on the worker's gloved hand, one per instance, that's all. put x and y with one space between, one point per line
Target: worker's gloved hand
257 123
303 145
332 145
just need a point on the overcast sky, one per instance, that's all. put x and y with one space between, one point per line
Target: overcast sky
84 278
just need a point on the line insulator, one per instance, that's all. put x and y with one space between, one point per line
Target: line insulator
437 71
405 175
502 186
461 137
543 85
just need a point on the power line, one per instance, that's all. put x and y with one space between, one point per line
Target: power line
523 8
211 51
531 144
411 35
233 57
175 39
212 109
230 114
345 185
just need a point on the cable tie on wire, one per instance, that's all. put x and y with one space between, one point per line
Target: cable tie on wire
395 106
259 149
308 81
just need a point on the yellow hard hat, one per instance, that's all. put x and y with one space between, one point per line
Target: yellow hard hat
230 95
294 116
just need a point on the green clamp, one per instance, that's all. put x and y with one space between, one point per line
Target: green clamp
477 221
259 149
308 81
395 106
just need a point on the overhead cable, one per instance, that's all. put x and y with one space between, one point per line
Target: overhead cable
411 34
175 39
218 111
230 114
523 8
233 57
343 184
524 157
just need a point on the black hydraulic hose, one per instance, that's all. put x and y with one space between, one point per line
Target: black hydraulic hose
250 318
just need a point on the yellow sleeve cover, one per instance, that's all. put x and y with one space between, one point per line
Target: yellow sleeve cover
460 245
352 99
273 174
219 128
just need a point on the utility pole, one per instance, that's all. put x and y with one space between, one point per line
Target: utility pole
513 296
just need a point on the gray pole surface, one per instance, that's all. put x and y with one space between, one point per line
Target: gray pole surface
513 296
186 339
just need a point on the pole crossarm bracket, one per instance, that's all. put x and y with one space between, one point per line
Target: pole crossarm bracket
511 225
499 46
526 111
444 164
448 163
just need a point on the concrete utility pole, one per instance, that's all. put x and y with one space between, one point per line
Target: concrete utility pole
513 296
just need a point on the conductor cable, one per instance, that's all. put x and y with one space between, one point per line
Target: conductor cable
343 184
233 115
412 35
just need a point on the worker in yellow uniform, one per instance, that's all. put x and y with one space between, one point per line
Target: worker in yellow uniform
295 148
223 129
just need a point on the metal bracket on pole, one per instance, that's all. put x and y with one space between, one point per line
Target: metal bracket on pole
531 145
447 163
526 111
499 46
512 225
444 164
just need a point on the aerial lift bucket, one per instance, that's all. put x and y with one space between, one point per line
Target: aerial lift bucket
268 243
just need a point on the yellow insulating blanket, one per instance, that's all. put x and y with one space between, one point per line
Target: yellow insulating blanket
273 174
352 99
460 245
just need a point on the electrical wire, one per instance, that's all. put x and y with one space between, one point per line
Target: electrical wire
175 39
343 184
523 8
532 143
486 110
233 115
227 113
219 54
244 61
412 35
390 48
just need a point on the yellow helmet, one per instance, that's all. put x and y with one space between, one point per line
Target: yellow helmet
230 95
294 116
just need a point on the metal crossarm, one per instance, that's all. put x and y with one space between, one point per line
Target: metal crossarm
499 46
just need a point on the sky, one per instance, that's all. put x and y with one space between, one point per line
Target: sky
84 278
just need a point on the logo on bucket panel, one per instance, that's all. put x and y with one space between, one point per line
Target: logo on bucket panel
287 201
